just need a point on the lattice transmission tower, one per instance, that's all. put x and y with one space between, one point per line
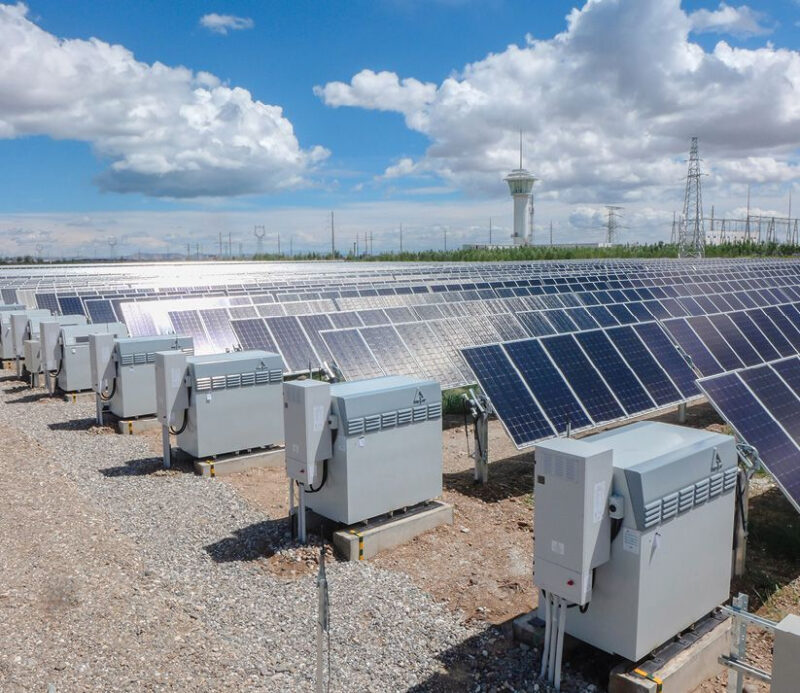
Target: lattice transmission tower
259 231
612 224
692 237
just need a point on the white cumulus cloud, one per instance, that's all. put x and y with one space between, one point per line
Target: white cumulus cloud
607 108
738 21
223 23
165 131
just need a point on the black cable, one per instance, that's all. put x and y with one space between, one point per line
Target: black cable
183 425
324 478
466 430
110 396
740 506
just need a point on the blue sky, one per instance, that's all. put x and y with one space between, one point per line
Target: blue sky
389 152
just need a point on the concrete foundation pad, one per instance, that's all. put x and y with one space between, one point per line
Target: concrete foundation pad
132 427
81 396
360 542
231 464
679 666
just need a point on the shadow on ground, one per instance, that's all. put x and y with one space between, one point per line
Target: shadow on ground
73 425
148 465
493 660
508 478
30 398
260 540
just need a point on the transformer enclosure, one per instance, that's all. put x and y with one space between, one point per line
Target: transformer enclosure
384 438
130 372
14 325
72 353
32 345
637 524
234 401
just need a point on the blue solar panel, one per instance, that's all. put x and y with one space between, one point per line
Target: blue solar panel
561 321
582 318
590 389
747 355
640 311
100 310
658 384
515 407
756 337
668 357
389 350
47 301
778 398
616 372
789 370
70 305
252 333
784 325
535 323
622 314
778 452
603 317
715 343
547 385
772 333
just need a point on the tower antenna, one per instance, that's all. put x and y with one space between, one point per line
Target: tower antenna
692 241
259 232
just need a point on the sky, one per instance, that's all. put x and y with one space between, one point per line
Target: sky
162 124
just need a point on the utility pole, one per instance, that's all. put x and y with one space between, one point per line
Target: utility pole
747 219
401 238
444 229
220 245
490 231
713 240
291 246
692 239
611 225
279 243
188 251
551 233
230 246
333 237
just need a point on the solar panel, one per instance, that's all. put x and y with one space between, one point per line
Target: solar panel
188 322
389 350
345 319
620 378
561 321
313 325
297 351
771 332
715 343
755 336
778 398
429 353
70 305
602 315
48 302
100 310
789 370
784 325
744 350
507 326
547 385
584 380
535 323
653 377
519 413
668 357
219 330
351 354
751 421
252 333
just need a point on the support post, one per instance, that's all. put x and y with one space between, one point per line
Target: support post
682 413
738 643
480 409
301 515
19 367
291 507
740 518
165 447
98 409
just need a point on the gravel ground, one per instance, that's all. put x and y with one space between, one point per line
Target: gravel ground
119 576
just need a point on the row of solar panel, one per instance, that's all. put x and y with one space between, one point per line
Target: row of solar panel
540 388
726 342
762 404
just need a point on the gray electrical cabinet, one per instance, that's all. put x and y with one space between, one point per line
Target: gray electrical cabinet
637 524
234 401
6 343
72 353
134 379
14 336
384 441
786 656
32 346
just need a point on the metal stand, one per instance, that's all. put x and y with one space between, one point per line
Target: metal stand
323 621
165 447
736 660
98 403
49 382
301 514
682 413
19 367
480 408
